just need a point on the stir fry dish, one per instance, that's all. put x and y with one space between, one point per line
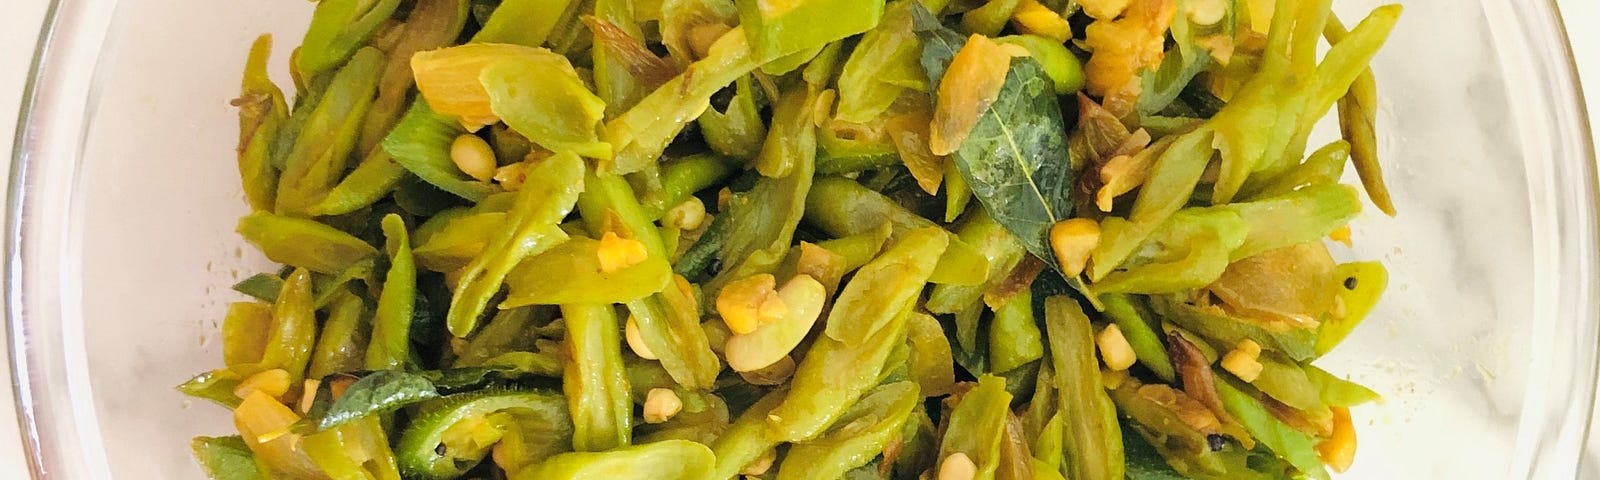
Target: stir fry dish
801 239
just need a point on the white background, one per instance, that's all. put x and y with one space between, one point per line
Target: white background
20 22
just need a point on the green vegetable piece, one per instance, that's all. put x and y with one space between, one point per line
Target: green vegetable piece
957 193
1294 218
931 364
1134 321
777 29
1060 64
461 238
884 64
1224 332
391 324
594 381
373 178
570 273
682 177
321 151
326 287
1016 455
542 98
380 392
1093 438
919 445
624 69
878 293
244 332
664 460
1047 440
825 66
431 24
739 130
304 243
680 19
1267 121
1286 382
355 451
1144 462
1361 286
1338 392
1204 259
1358 118
338 28
862 433
1210 237
545 198
526 22
841 207
971 352
988 19
1292 445
428 450
831 377
995 243
846 148
977 426
639 135
1014 337
262 112
761 222
792 140
1324 166
670 320
225 458
216 386
788 63
293 333
703 417
421 143
1179 65
1171 183
529 440
342 344
544 364
860 248
1148 462
746 438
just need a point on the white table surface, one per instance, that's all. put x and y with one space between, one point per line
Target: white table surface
19 26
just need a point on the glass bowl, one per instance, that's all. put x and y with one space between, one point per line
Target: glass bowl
124 198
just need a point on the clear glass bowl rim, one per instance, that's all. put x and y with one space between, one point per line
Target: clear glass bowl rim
55 411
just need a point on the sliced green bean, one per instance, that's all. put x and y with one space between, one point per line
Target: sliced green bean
669 322
831 377
391 323
262 112
867 428
664 460
544 199
1014 337
594 380
1093 437
318 158
343 341
977 426
304 243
